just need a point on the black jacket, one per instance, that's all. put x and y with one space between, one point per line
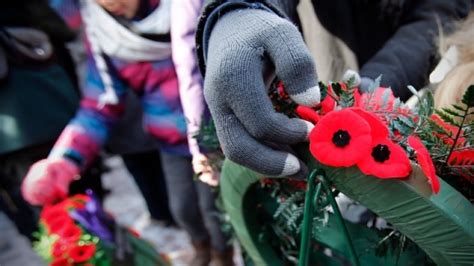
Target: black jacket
392 38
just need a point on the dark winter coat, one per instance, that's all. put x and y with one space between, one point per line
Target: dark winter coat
393 38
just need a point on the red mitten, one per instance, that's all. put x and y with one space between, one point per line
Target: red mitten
48 180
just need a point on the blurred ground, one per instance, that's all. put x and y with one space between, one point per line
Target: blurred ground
127 205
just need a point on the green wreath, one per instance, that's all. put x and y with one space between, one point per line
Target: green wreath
441 225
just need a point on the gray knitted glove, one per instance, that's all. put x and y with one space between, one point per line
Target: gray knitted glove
244 46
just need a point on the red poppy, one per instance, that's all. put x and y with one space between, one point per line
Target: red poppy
387 160
70 233
56 224
452 130
60 248
378 128
341 138
51 212
425 162
416 144
428 168
82 253
465 157
307 114
61 262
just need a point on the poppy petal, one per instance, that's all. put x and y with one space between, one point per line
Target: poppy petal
428 169
465 157
417 145
307 114
395 165
424 160
379 129
82 253
358 139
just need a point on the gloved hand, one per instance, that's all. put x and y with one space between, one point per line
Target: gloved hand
203 168
48 180
244 46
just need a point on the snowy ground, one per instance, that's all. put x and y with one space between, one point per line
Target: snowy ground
127 205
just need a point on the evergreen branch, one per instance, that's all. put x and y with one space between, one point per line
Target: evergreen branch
458 107
458 134
460 166
288 203
468 147
448 119
452 112
336 87
468 97
371 91
351 82
438 128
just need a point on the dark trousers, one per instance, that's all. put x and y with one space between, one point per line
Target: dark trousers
192 202
146 169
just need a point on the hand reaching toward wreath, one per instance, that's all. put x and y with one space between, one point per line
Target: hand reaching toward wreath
48 181
244 46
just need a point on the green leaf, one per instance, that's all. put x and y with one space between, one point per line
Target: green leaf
448 119
468 98
401 127
336 87
324 90
351 81
428 100
407 121
433 125
397 104
374 85
288 202
459 108
452 112
385 97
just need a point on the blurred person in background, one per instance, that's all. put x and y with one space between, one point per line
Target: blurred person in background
184 17
455 72
128 48
38 96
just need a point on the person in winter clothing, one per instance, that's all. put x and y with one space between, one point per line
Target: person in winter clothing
184 17
241 44
128 48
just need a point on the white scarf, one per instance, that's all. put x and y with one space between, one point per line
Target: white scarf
107 36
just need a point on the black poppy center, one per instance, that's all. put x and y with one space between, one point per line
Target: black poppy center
381 153
341 138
